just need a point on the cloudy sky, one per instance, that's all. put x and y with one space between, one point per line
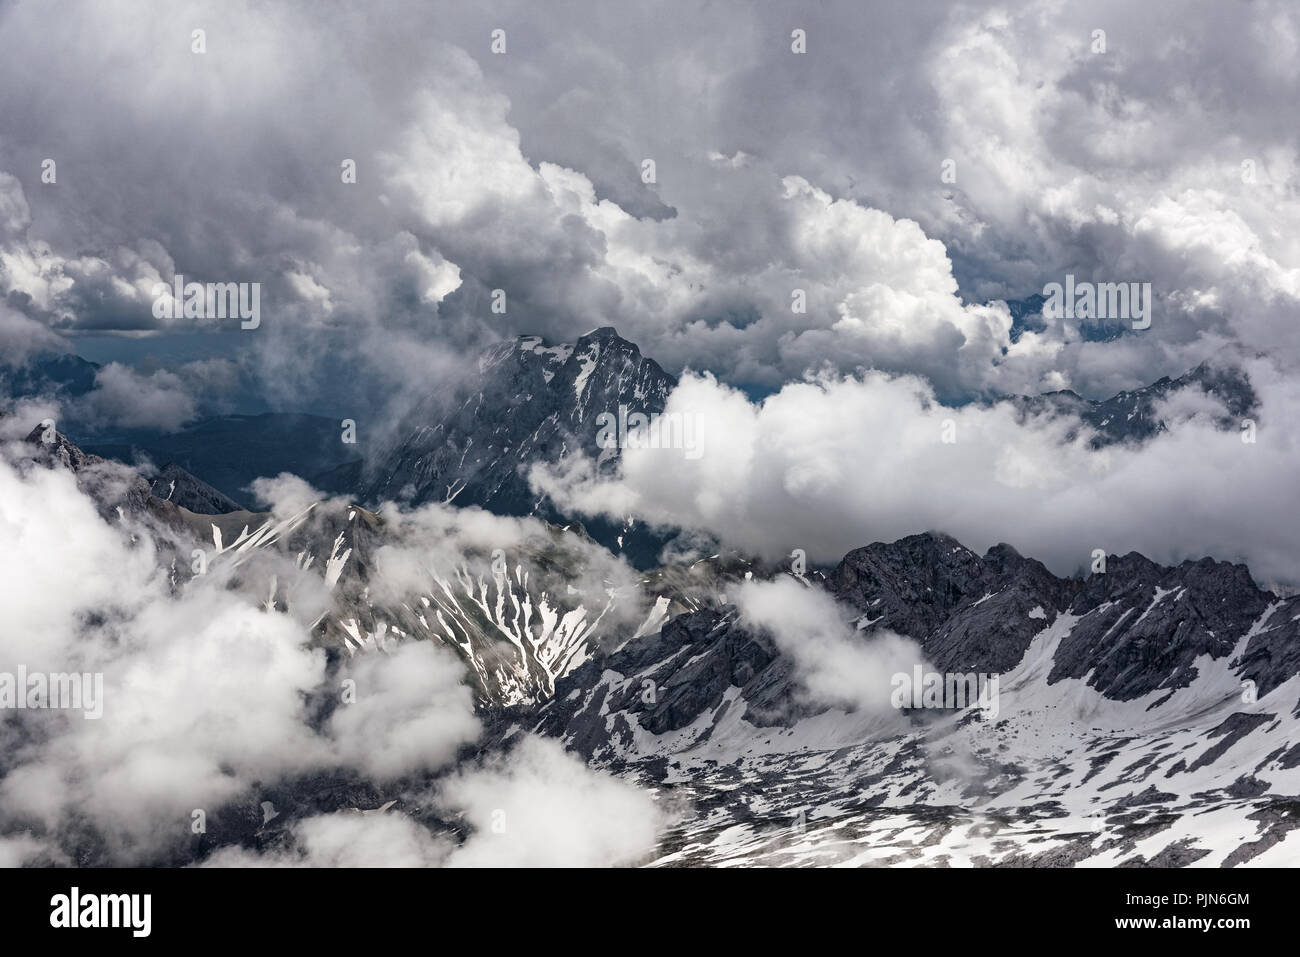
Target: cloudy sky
915 167
912 170
773 171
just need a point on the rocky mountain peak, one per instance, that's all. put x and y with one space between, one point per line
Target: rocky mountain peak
531 402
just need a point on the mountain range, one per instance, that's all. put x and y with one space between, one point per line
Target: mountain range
1146 714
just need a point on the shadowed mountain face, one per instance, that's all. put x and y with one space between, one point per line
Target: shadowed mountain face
531 403
1141 625
60 374
1134 416
1138 631
228 452
176 485
1138 714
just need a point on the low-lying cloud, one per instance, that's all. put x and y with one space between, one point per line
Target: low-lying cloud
213 693
835 463
836 666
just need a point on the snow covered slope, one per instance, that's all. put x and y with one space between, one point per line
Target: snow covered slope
1148 715
1145 715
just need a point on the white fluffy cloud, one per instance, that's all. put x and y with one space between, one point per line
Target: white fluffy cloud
836 667
479 172
411 712
129 399
533 807
206 695
347 839
202 691
542 807
203 688
836 463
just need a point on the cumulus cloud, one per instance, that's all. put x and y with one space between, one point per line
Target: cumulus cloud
542 807
477 173
285 495
213 692
410 711
534 806
195 686
439 541
24 850
204 687
835 463
1117 165
22 337
837 667
128 399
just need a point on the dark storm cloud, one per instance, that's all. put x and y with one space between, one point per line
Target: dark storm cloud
774 172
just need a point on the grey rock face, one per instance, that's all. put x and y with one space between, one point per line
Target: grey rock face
174 484
110 485
533 403
680 674
1142 626
968 613
1273 653
1133 416
1138 628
